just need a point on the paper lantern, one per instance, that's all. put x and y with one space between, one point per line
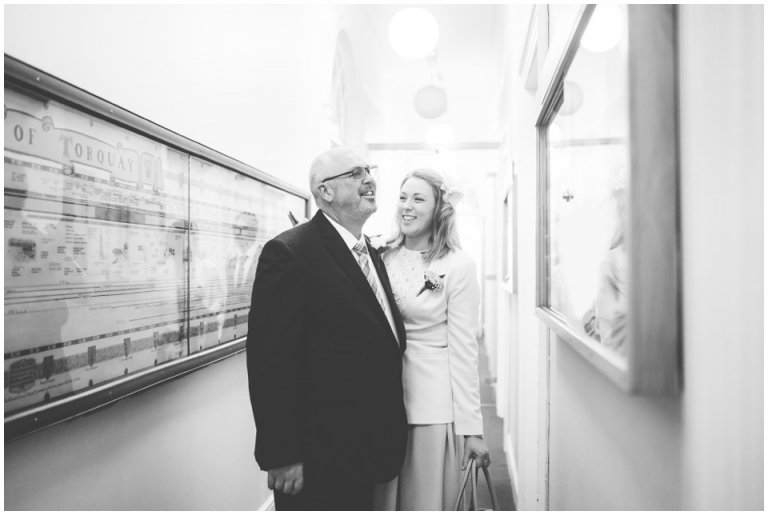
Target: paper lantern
573 97
431 101
605 29
413 32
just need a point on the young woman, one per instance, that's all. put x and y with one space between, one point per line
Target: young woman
435 286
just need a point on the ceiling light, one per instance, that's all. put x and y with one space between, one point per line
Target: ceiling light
413 32
605 29
431 101
573 97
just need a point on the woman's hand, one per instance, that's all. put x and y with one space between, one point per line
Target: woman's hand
474 446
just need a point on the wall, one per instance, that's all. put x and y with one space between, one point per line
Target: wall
517 118
723 195
609 451
704 448
249 81
187 444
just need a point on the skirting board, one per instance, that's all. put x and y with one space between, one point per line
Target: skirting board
511 466
269 504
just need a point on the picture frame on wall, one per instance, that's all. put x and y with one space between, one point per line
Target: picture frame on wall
608 230
130 251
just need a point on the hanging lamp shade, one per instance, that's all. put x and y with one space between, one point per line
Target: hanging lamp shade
431 101
573 97
605 29
413 32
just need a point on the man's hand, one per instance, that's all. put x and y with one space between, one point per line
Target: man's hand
289 480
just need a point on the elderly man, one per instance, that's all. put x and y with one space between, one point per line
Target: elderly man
324 350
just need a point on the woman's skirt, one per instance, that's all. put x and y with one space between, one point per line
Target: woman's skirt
431 474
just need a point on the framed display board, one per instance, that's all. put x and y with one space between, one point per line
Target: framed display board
130 251
608 242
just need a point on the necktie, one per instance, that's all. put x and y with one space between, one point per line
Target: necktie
362 250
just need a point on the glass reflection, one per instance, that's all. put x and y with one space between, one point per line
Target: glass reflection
588 173
101 243
232 216
94 282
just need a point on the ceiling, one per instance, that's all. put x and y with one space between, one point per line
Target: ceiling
229 76
464 65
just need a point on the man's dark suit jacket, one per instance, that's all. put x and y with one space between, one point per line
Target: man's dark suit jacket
324 368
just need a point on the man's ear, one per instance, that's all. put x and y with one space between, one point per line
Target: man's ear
325 192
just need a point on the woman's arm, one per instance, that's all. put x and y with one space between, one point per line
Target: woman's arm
463 296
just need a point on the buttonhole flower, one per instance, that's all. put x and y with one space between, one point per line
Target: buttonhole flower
432 281
379 242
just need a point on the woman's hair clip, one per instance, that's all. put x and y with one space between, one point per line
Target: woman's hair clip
451 193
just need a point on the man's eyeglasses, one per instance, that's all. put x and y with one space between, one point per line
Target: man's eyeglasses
356 173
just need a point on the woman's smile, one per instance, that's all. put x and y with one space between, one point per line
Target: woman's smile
416 211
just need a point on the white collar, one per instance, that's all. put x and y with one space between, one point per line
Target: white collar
347 236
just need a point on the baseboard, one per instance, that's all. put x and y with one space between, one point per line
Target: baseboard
269 504
509 451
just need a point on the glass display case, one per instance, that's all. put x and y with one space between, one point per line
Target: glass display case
608 230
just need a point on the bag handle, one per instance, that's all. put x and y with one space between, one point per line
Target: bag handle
472 470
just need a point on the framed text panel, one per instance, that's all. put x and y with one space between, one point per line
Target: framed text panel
95 233
123 251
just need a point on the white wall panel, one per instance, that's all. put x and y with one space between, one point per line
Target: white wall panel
723 197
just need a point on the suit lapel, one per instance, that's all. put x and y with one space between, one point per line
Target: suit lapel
349 265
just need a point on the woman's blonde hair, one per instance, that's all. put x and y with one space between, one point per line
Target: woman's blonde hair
445 236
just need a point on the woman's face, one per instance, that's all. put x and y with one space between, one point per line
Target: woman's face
416 208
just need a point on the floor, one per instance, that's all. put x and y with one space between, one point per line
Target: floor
494 438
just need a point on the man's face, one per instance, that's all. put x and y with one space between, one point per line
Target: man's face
353 198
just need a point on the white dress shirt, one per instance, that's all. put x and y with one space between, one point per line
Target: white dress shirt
351 241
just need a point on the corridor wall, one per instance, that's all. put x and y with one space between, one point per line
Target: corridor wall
723 208
519 330
577 441
187 444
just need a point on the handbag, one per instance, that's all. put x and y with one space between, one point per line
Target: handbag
472 471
